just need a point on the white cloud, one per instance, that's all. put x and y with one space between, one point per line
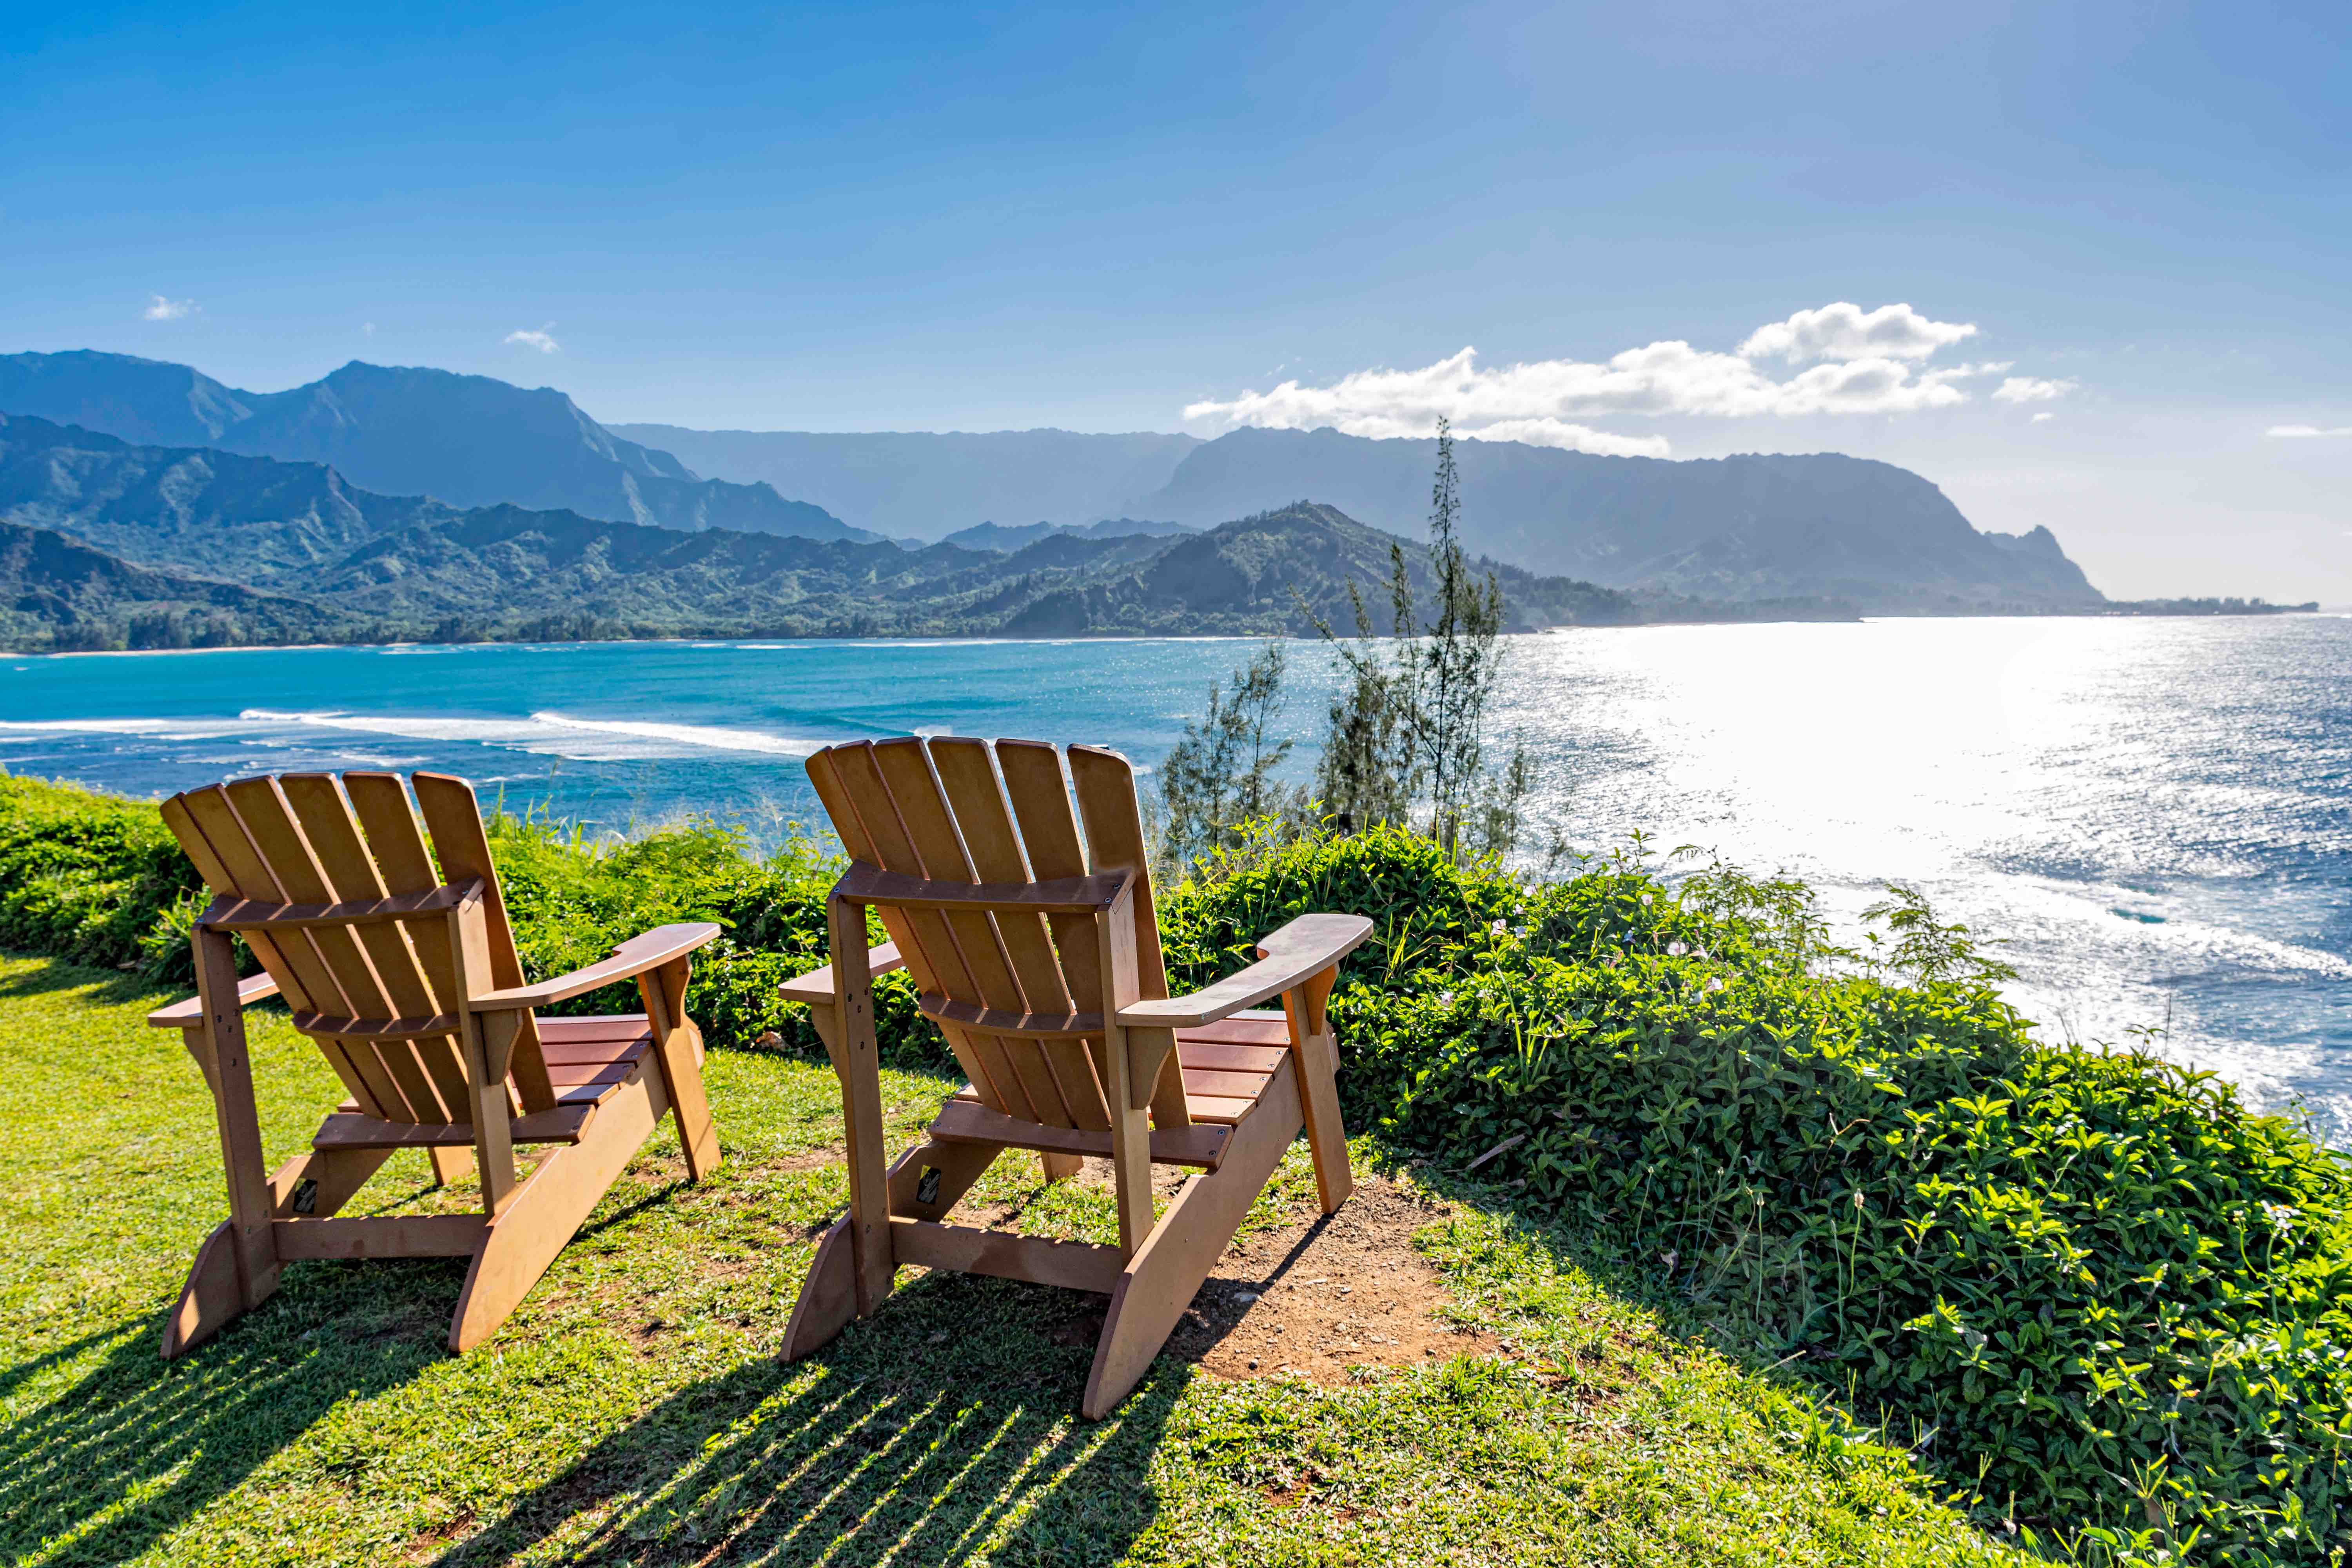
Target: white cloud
1573 438
2040 416
368 328
2032 389
163 310
2308 432
1845 331
541 340
1867 366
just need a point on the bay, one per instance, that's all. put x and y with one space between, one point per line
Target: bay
2154 814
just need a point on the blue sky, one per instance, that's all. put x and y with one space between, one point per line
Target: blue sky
961 217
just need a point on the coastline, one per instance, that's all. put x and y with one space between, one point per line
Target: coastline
2119 610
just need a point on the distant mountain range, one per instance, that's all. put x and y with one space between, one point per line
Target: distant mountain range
925 484
998 536
110 545
1742 528
1754 530
1734 529
468 440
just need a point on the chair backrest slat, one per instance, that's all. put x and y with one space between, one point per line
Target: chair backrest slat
869 796
977 802
454 817
397 846
1104 784
304 839
906 772
249 877
920 935
939 812
385 1064
325 818
208 828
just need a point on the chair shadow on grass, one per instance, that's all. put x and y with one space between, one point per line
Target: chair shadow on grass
948 1420
131 1448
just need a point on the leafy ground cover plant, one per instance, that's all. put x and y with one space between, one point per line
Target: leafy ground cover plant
2093 1288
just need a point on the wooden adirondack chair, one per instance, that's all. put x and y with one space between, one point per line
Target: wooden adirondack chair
1039 960
408 980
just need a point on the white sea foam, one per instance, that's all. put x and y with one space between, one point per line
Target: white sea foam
181 729
547 734
707 737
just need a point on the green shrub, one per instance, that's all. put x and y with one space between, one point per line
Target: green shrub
2096 1290
2092 1289
83 875
570 901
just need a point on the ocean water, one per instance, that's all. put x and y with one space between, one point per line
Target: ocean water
2154 814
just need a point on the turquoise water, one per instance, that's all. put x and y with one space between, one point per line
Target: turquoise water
2157 814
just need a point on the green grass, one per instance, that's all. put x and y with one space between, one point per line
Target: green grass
632 1410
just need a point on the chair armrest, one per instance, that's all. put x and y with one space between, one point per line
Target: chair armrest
1291 956
661 945
816 985
187 1015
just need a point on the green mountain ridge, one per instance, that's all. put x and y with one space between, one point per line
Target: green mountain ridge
183 546
466 440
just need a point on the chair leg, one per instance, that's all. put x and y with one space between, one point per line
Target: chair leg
1060 1167
237 1267
534 1226
210 1300
1162 1279
678 1047
1316 1051
451 1165
829 1298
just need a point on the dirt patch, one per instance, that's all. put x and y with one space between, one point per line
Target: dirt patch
1330 1293
1311 1298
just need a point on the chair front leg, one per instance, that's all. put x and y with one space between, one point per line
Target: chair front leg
235 1269
857 1061
231 1073
1314 1051
675 1043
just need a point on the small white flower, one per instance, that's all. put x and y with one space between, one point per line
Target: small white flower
1498 927
1714 985
1645 900
2281 1217
1677 949
1446 997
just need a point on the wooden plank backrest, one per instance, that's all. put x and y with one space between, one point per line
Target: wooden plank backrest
939 812
302 840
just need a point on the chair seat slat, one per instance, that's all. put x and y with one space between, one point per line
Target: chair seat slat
1191 1054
